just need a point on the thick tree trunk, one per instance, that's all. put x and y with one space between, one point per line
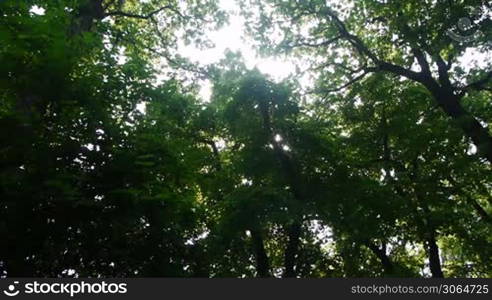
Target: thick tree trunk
89 12
294 233
434 260
470 126
292 175
450 104
262 263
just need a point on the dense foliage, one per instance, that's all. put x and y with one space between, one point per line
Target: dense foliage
112 165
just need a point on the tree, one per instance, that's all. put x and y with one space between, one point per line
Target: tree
111 164
410 45
72 175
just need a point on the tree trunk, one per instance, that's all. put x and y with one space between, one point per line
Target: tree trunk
383 257
434 260
450 104
87 14
292 175
262 263
294 233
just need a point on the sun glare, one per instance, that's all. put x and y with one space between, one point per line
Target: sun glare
231 37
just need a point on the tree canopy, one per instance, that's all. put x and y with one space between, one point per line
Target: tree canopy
112 165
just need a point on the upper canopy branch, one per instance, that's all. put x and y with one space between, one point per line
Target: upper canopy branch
479 85
360 46
350 82
314 44
144 17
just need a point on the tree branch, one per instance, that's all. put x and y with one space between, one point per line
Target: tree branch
420 56
350 82
364 51
143 17
478 85
314 45
442 69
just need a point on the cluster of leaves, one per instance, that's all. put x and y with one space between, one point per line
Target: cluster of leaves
106 169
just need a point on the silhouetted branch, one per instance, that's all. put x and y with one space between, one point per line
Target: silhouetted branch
479 85
144 17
